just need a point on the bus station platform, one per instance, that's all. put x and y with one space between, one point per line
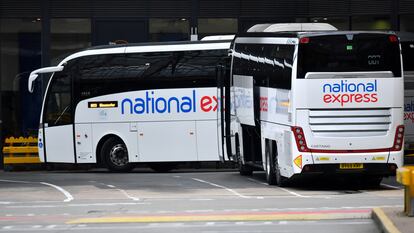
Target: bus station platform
393 220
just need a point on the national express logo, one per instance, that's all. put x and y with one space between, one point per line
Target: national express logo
344 92
409 111
152 104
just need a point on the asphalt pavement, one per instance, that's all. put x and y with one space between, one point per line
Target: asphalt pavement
186 201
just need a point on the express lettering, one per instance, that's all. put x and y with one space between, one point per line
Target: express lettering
409 116
344 92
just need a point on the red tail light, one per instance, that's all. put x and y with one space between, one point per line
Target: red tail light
304 40
300 139
399 138
393 38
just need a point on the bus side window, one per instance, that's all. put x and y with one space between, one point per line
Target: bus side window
282 56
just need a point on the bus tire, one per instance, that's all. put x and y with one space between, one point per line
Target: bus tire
162 167
281 181
115 155
244 170
270 168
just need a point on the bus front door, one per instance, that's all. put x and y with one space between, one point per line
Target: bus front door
58 121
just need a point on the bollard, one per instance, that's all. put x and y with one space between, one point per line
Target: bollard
405 176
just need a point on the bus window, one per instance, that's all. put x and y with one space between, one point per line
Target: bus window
108 74
58 110
269 64
349 53
407 49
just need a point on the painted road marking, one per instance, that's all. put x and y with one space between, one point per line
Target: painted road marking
122 191
223 187
68 196
233 217
283 189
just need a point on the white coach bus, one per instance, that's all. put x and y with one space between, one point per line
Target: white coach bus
317 100
145 103
407 49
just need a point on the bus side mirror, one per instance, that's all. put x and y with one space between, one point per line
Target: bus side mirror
32 77
34 74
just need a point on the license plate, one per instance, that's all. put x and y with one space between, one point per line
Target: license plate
351 166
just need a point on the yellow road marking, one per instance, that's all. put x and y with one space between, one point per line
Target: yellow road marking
203 218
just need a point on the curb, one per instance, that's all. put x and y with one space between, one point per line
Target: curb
384 223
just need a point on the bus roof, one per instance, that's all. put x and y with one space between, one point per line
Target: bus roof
150 47
292 27
308 33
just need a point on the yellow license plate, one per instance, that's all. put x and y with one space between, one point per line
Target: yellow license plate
351 165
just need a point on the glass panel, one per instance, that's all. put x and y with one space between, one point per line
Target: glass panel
169 29
371 23
58 108
270 65
108 74
223 26
68 36
336 53
342 23
20 54
406 23
407 48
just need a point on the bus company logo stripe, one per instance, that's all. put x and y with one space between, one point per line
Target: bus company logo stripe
152 104
409 111
345 91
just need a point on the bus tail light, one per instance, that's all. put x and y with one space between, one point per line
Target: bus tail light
300 139
399 138
304 40
393 38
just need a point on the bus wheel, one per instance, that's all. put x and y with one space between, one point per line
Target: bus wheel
162 167
270 168
280 180
244 170
115 155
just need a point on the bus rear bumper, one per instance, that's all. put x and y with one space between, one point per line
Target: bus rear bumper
380 169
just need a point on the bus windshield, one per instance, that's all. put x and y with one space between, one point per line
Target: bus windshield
349 53
408 55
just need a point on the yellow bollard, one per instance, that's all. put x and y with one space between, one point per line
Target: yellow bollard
405 176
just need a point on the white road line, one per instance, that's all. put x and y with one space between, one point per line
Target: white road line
223 187
76 205
293 193
286 190
51 226
68 196
258 182
391 186
202 199
7 227
129 196
122 191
